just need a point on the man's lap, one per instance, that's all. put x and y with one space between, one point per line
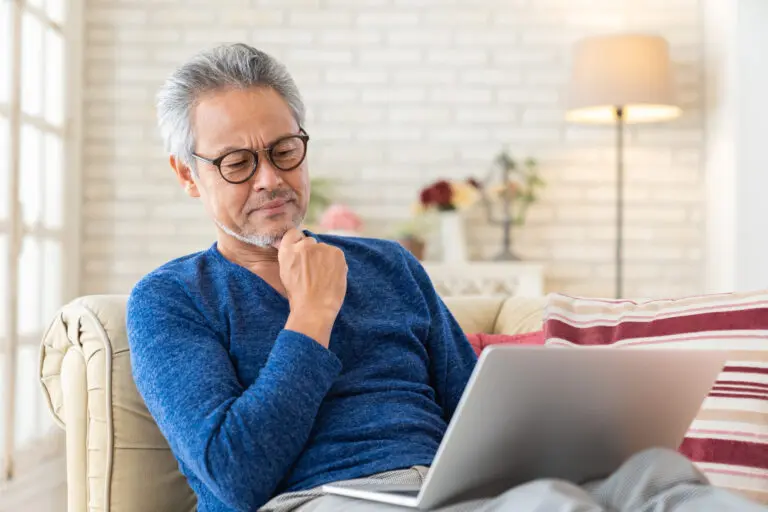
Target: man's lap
548 495
651 481
298 501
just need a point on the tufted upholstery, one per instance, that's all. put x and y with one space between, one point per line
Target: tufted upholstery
117 460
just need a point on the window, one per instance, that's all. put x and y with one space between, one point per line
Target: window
34 132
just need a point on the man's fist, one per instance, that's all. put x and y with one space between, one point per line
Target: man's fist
314 276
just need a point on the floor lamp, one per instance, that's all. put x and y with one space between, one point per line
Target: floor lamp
621 79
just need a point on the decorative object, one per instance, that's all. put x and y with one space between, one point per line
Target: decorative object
488 278
339 219
515 193
449 198
620 79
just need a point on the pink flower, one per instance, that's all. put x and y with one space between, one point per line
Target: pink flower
340 218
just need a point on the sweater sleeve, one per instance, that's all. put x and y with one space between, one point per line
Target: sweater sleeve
239 441
451 357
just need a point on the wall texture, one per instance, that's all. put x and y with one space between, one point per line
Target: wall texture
401 92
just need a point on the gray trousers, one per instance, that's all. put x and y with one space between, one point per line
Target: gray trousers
652 481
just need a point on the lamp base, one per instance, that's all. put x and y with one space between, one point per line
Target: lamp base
506 255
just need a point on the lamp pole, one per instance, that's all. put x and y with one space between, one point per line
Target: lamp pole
619 200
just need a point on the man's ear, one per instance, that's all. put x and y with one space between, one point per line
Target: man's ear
184 175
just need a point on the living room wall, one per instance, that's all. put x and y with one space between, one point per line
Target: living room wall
736 159
400 93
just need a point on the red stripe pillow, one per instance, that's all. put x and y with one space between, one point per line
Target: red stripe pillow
728 440
481 340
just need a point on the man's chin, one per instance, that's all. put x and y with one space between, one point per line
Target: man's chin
262 238
269 237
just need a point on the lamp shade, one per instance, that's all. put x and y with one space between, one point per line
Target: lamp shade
630 71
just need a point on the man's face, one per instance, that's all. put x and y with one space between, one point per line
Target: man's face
260 210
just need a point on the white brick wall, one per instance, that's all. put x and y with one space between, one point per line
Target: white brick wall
401 92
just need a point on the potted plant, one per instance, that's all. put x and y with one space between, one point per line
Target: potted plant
411 235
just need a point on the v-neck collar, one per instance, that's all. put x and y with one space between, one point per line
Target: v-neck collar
270 290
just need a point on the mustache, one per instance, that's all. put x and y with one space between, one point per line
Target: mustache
266 197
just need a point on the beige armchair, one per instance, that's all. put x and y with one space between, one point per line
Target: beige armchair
117 460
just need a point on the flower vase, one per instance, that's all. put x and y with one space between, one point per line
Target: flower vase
453 237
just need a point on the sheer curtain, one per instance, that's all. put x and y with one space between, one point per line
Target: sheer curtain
33 134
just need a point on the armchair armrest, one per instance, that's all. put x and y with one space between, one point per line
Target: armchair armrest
117 459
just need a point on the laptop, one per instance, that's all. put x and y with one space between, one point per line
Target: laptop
545 412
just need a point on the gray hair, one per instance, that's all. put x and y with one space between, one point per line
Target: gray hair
231 65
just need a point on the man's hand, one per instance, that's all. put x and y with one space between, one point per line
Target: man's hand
315 279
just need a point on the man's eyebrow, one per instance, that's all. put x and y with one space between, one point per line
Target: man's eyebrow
229 149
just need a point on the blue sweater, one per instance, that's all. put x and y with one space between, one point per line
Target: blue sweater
251 409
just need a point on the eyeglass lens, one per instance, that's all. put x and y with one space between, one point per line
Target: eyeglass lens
286 155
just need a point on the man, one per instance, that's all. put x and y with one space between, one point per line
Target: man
278 360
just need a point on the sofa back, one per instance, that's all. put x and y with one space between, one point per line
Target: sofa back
117 459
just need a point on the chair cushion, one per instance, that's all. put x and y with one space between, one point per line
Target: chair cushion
475 313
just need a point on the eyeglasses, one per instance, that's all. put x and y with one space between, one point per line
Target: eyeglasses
238 166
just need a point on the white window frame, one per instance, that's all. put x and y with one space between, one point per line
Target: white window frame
69 235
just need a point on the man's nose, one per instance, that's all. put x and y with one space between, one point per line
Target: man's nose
267 177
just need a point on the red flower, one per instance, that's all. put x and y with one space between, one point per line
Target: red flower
439 194
426 196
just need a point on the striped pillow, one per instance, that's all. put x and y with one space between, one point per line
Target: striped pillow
728 440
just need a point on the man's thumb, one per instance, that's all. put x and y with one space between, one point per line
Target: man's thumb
290 237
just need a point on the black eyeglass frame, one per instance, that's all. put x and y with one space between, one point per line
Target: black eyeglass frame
302 135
